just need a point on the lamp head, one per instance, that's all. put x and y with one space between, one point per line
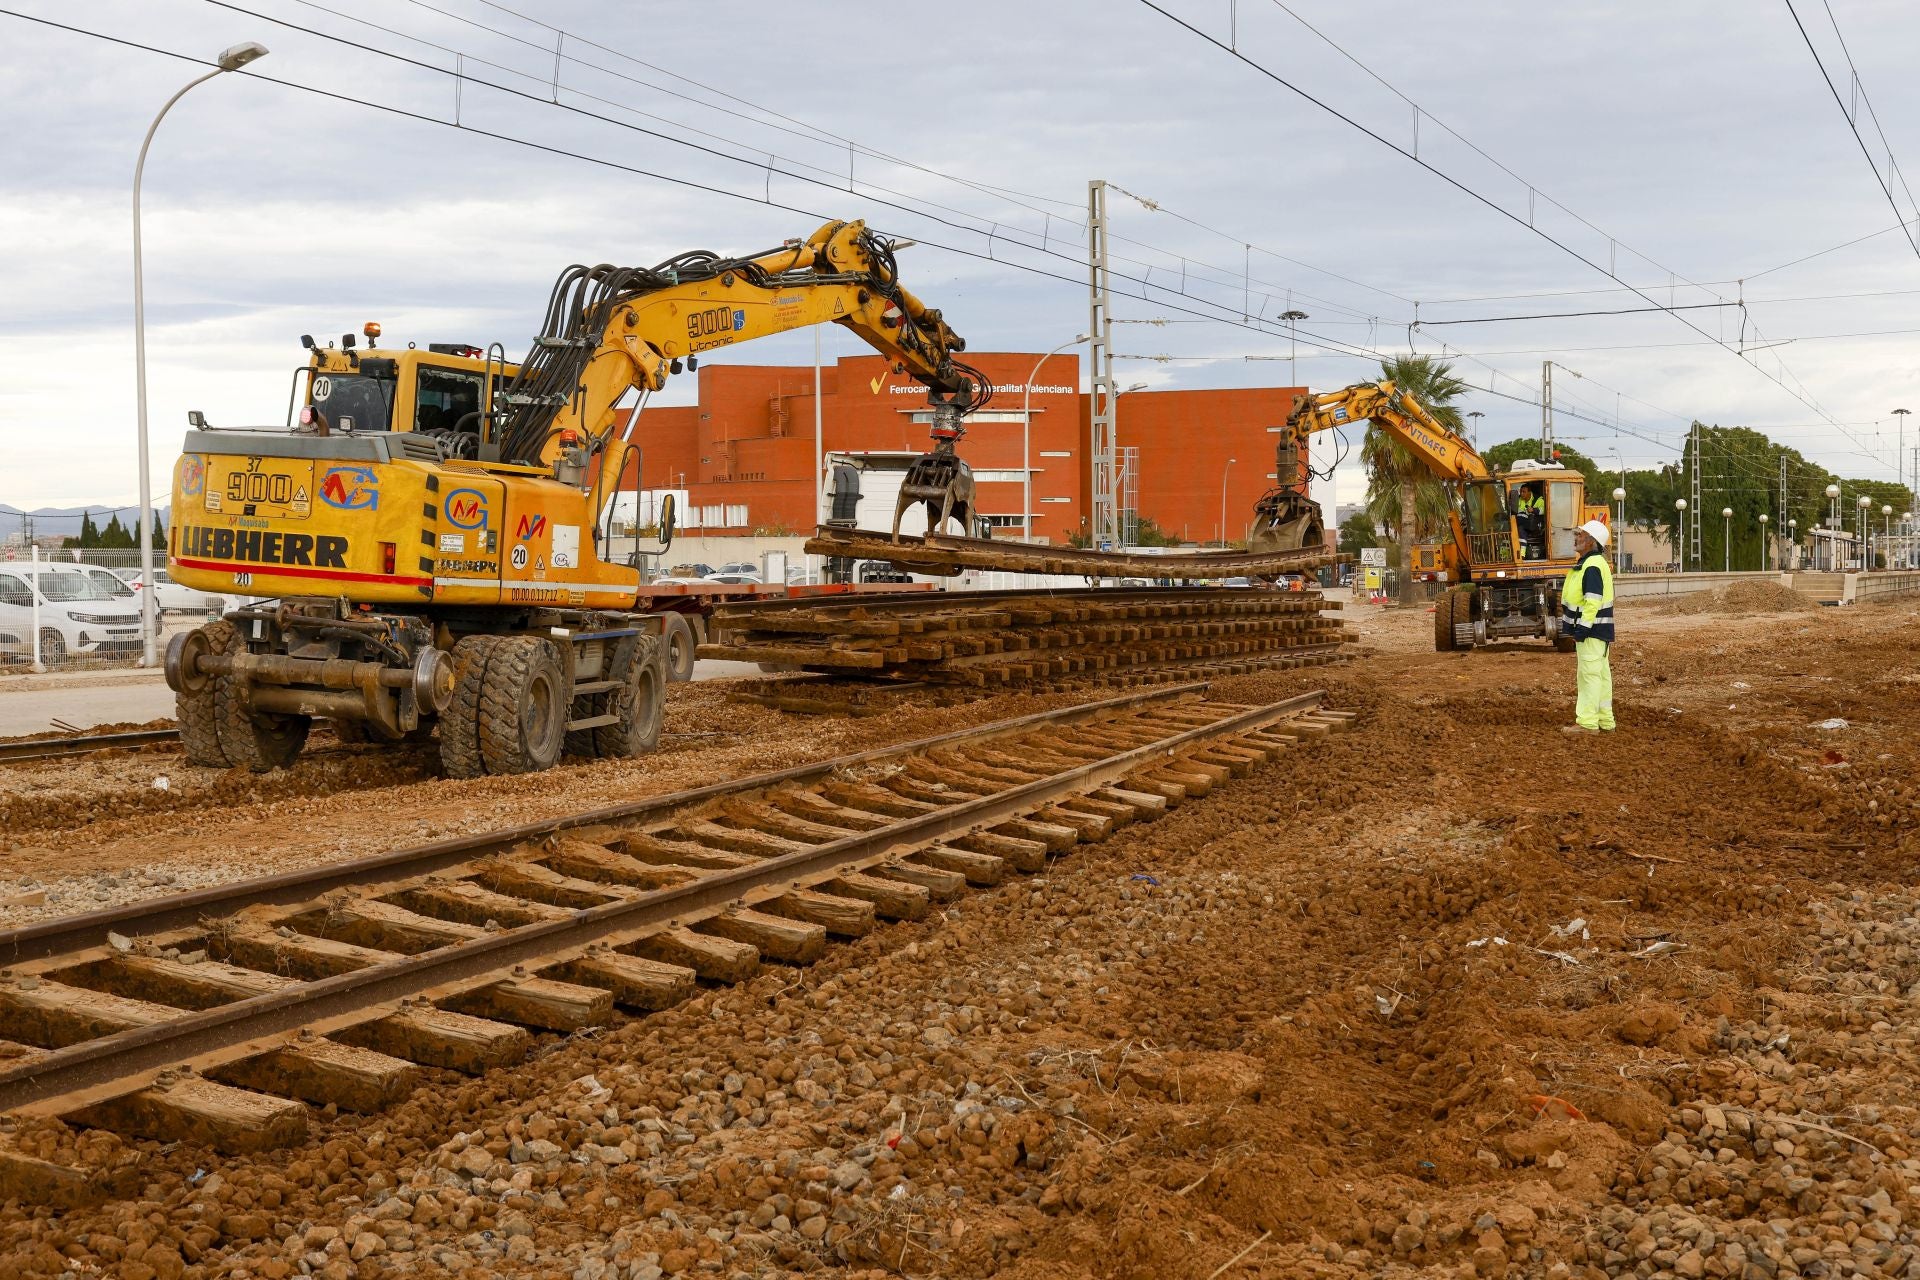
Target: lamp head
240 55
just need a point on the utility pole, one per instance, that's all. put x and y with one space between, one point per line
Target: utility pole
1694 491
1105 528
1546 412
1780 517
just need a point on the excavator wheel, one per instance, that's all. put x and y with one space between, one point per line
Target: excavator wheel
680 643
195 704
1443 615
641 704
524 706
460 722
217 727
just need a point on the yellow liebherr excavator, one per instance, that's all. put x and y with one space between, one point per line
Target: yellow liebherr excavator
434 529
1505 563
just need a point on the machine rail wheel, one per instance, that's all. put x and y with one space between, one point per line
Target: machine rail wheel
195 704
1443 614
524 704
460 722
680 648
641 704
256 740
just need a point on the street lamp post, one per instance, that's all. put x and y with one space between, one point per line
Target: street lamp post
1223 499
230 60
1865 504
1680 544
1793 539
1619 529
1906 538
1726 540
1763 542
1026 438
1473 433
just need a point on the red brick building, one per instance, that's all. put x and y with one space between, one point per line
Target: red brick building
747 449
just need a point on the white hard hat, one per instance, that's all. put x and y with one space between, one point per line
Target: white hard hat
1596 530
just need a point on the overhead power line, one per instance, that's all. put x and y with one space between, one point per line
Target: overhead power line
1797 392
1853 123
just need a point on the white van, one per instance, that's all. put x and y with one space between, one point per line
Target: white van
78 615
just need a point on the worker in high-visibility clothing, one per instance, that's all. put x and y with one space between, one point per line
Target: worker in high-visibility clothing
1586 614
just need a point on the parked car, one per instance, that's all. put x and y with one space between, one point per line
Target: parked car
801 578
693 570
77 614
735 579
173 597
116 586
740 566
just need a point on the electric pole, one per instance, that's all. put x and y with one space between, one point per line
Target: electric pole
1105 528
1546 412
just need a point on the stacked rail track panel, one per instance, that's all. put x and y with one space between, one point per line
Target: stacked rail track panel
945 554
971 640
221 1016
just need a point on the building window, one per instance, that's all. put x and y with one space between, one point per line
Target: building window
1056 499
1056 453
986 415
1004 522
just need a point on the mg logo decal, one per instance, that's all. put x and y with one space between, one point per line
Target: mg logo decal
467 509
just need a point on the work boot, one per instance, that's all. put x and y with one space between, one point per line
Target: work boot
1576 728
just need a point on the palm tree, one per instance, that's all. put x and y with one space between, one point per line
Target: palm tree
1401 491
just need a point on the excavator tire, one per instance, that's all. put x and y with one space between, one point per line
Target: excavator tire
460 722
1443 614
641 704
256 740
198 711
680 646
524 706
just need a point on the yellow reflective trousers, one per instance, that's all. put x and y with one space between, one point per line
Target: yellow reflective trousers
1593 706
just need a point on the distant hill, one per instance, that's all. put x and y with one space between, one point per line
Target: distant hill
66 520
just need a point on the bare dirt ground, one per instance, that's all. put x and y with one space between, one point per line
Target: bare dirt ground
1451 995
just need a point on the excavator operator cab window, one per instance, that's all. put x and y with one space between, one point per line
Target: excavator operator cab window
1563 516
355 401
443 399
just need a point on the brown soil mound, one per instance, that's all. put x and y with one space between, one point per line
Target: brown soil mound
1741 597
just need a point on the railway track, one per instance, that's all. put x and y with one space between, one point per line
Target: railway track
220 1016
84 744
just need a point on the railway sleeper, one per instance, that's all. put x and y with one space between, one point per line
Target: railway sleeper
367 1065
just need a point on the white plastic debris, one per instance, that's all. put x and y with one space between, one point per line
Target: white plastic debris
162 783
1741 684
1834 723
1576 927
1660 948
1496 940
899 1191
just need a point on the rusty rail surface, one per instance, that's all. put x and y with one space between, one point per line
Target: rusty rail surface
944 554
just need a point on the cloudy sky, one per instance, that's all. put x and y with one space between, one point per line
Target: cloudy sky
1693 150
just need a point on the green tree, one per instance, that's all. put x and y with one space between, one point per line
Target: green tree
1357 533
115 534
1401 492
1599 483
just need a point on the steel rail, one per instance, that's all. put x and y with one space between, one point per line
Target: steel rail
133 1052
83 744
74 933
